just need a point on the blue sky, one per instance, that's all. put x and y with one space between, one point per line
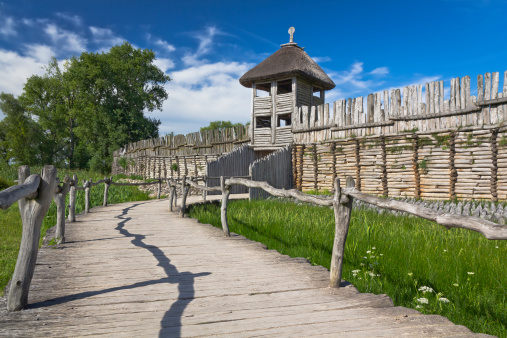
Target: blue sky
205 46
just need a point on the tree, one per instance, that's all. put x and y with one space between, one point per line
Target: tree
21 138
115 89
220 125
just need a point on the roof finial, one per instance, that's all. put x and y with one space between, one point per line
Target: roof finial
291 32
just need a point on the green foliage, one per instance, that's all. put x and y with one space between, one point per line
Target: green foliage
4 184
122 162
220 125
174 167
387 254
76 118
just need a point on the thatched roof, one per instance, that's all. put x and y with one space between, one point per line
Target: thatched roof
290 60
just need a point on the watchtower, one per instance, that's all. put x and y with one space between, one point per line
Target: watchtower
286 80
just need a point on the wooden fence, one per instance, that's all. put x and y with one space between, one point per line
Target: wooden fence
342 203
275 169
235 163
34 194
187 151
393 112
469 163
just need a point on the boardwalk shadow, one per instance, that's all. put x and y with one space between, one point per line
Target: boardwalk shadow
172 318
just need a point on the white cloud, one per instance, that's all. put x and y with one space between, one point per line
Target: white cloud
321 59
380 71
164 44
164 64
75 19
15 69
105 37
65 40
205 44
7 28
205 93
40 53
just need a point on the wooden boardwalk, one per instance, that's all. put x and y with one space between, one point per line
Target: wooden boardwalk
138 270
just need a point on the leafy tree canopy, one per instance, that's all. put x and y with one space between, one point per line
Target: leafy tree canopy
221 125
81 114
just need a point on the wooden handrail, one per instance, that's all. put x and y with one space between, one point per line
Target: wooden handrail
28 189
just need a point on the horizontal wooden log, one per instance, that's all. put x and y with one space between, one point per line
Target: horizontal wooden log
430 116
364 125
493 101
281 192
26 190
140 183
202 187
488 229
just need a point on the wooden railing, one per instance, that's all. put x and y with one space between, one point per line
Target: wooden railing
342 206
34 194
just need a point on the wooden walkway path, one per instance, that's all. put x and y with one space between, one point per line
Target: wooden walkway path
138 270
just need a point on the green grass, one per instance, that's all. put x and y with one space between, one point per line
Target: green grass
10 221
387 254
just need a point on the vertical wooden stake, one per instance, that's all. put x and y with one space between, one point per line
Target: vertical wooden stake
59 199
32 214
204 192
342 205
159 187
72 200
184 191
87 186
107 184
171 195
223 208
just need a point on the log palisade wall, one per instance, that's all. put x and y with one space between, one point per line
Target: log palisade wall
470 163
275 169
154 158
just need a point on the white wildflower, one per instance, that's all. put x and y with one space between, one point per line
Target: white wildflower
373 248
422 300
371 274
425 289
356 271
471 273
443 300
410 274
381 254
362 264
418 307
368 251
456 284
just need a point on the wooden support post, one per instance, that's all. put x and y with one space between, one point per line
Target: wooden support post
184 191
59 199
32 214
204 192
72 200
223 208
107 184
87 185
159 188
171 195
342 205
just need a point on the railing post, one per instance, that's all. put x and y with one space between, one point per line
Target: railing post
72 199
342 205
32 214
184 192
59 199
171 194
223 208
204 192
87 186
159 188
107 184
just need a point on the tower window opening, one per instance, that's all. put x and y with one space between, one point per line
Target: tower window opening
284 120
263 122
263 89
284 87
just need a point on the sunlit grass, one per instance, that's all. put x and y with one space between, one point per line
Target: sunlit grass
388 254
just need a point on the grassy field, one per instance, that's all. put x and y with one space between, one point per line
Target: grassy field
419 264
10 221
